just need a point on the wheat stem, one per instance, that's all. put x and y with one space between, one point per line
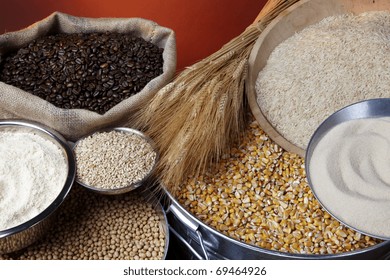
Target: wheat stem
197 117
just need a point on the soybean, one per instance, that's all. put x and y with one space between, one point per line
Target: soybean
91 226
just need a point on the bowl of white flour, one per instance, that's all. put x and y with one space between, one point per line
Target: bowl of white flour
348 166
37 171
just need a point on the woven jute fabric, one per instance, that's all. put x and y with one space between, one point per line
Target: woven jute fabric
16 103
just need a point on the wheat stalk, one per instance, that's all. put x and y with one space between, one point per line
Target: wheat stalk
197 117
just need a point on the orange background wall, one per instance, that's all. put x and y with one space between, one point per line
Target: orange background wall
201 26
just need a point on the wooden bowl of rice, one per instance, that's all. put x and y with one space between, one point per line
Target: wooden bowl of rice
315 58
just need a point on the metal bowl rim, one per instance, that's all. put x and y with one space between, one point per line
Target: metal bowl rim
268 251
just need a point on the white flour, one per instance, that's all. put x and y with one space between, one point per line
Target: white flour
33 171
350 174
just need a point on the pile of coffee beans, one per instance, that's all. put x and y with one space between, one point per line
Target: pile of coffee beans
93 71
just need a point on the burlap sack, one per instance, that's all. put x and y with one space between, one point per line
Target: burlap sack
74 123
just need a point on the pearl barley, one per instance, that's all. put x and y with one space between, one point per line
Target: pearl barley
114 159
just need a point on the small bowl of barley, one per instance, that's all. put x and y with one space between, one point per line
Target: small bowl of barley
114 161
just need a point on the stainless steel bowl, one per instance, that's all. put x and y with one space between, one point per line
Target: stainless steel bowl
201 241
132 186
23 235
372 108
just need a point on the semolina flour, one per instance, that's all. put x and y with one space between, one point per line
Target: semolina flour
350 174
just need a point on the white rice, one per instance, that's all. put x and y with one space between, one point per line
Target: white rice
341 60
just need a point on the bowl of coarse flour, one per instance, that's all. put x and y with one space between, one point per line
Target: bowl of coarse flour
348 167
37 171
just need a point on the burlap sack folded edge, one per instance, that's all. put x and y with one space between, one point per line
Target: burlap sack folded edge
75 123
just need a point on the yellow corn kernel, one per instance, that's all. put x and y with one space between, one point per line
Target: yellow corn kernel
259 194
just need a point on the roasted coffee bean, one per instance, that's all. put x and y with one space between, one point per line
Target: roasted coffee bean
93 71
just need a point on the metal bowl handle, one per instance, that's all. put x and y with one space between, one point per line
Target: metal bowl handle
194 227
